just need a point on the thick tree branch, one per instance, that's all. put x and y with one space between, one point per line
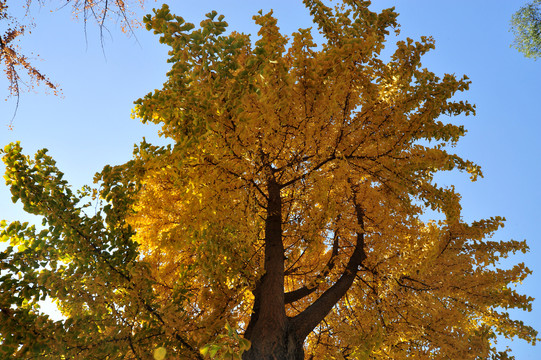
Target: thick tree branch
304 291
307 320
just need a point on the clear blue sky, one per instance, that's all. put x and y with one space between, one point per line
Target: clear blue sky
90 125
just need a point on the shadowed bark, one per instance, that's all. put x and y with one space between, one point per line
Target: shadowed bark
273 335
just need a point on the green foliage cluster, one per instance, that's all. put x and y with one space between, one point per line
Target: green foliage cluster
526 26
88 263
229 346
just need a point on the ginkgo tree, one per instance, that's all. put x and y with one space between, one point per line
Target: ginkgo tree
286 220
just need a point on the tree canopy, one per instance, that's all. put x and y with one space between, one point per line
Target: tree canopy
287 219
526 26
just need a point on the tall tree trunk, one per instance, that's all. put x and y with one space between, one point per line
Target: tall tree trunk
268 326
273 335
282 346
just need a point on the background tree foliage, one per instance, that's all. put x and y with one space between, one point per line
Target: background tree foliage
290 209
526 26
20 71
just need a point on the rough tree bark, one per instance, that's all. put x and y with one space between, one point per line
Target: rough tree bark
273 335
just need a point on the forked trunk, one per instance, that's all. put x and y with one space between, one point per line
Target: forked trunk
272 334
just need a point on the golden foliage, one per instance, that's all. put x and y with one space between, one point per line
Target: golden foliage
291 205
337 129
